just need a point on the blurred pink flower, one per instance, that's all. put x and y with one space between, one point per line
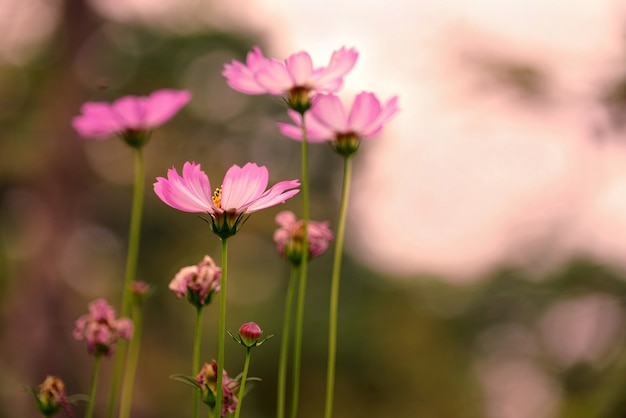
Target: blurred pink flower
288 237
242 192
329 120
100 328
296 77
207 381
198 283
129 114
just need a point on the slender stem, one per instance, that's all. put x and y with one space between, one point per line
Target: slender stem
222 331
334 288
129 277
195 363
132 358
93 385
297 351
242 388
284 344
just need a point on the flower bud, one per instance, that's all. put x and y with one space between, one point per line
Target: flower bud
250 333
198 283
207 382
50 396
290 235
100 329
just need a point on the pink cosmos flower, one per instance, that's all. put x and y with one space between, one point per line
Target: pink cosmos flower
296 77
242 192
207 381
129 115
198 283
329 120
101 329
288 237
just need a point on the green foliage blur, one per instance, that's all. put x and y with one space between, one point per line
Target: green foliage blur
417 347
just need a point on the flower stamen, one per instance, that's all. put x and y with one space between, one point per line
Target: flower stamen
217 197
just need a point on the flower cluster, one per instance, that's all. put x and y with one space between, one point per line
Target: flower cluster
198 282
317 115
100 329
290 234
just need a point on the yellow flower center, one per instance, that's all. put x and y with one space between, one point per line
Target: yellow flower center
217 197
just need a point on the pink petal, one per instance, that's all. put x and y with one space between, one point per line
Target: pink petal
130 111
316 132
365 110
162 105
330 78
189 193
274 77
96 121
278 193
243 185
329 111
285 219
300 67
389 109
242 77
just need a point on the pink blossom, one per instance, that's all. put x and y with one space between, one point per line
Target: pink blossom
288 237
295 76
329 120
198 283
207 381
242 192
101 329
129 114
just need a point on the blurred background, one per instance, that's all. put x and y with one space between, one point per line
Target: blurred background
485 268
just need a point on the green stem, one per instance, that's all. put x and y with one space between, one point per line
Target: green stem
242 388
297 351
334 288
132 358
284 344
222 331
93 385
129 277
195 363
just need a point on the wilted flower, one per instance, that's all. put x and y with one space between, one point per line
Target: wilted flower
101 329
329 121
288 237
242 192
50 397
198 283
294 77
207 381
131 117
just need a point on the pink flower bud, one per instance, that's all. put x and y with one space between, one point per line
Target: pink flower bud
198 283
290 234
250 333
